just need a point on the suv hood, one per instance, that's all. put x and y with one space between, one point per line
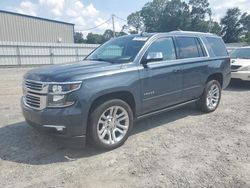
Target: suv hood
70 72
241 62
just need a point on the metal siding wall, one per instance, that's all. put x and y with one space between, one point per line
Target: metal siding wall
25 29
23 53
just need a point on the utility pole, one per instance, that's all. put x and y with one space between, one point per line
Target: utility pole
113 23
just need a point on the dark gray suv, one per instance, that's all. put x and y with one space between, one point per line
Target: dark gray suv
125 79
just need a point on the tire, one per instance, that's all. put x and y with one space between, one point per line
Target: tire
210 99
110 124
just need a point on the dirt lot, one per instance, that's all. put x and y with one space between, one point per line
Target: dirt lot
182 148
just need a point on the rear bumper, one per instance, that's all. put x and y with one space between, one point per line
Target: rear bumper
62 122
242 75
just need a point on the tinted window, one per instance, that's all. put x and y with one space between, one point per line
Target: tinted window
165 46
218 46
189 47
201 50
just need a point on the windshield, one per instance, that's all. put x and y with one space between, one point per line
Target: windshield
243 53
119 50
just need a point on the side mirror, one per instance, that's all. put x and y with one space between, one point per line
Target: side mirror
153 56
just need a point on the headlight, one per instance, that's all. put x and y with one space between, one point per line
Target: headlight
64 88
245 68
58 94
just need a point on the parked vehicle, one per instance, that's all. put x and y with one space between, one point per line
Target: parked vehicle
125 79
240 63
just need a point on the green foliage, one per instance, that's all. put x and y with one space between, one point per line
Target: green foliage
166 15
78 38
247 37
175 16
232 28
199 9
215 28
245 21
94 38
107 35
169 15
135 20
151 14
101 38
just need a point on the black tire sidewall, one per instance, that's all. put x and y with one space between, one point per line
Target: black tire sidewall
94 118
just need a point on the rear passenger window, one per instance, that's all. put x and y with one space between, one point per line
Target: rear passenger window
189 47
218 46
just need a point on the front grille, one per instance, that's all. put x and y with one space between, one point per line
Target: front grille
34 85
33 101
235 67
35 94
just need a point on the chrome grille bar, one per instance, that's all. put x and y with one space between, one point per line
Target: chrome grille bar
34 94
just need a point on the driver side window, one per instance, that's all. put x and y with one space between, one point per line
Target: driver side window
165 46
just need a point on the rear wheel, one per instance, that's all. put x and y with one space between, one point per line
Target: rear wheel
211 96
110 124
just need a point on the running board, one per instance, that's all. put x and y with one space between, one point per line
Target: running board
166 109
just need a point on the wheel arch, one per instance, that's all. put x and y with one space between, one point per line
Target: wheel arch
216 76
124 95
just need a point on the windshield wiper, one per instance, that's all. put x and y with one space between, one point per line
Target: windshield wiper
100 59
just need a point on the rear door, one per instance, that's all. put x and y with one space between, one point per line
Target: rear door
194 59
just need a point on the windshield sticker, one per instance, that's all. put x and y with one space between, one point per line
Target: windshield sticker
140 38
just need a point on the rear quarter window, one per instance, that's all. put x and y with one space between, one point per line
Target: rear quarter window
218 46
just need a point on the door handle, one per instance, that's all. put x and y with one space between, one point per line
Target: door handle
177 70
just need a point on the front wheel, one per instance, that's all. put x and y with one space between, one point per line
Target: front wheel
211 96
110 124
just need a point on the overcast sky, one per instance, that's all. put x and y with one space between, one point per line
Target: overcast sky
90 13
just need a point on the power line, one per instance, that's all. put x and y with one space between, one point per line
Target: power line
112 18
95 26
121 18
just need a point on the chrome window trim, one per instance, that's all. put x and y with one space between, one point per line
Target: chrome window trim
201 42
174 60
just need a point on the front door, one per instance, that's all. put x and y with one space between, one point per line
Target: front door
161 81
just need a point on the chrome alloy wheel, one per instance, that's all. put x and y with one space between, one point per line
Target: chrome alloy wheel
213 96
113 125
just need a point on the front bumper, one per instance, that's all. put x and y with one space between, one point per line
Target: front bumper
64 122
242 75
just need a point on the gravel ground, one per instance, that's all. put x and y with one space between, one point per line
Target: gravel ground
181 148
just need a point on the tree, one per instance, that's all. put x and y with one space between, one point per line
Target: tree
247 37
245 21
94 38
78 38
107 35
119 34
215 28
231 26
151 14
175 16
135 20
199 11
